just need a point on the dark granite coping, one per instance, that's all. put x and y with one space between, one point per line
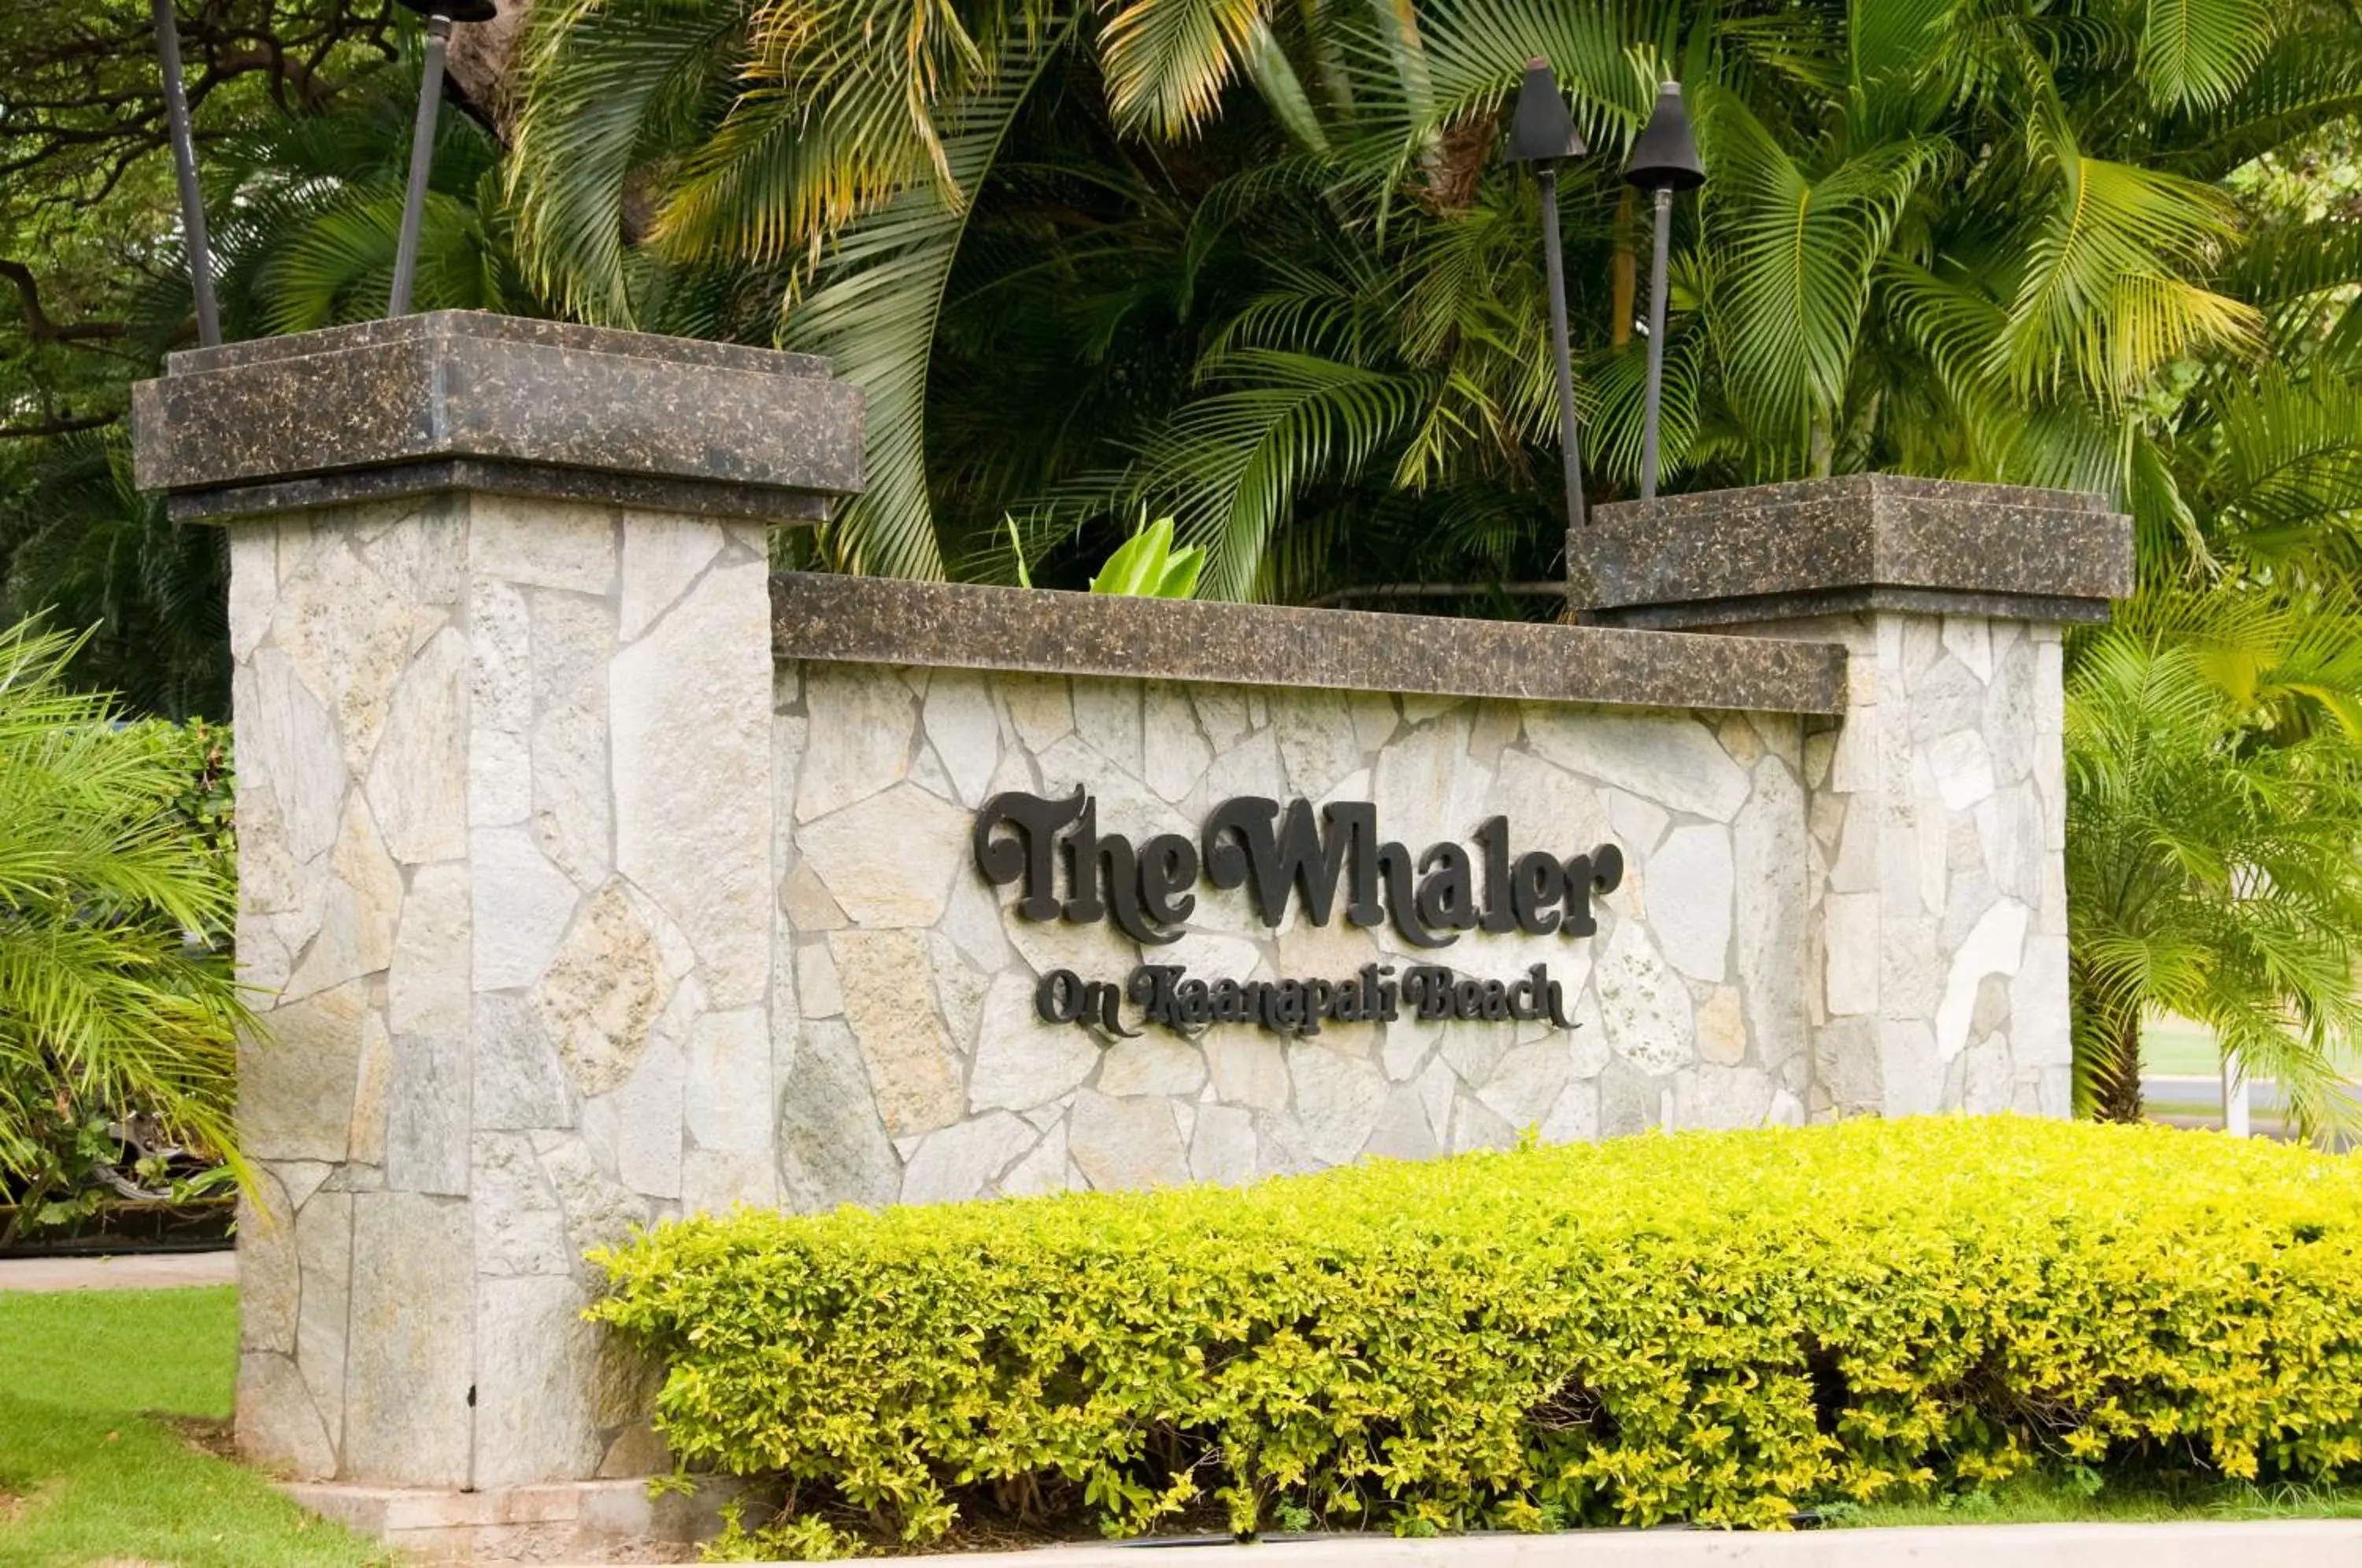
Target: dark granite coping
496 329
542 482
462 386
943 625
1864 541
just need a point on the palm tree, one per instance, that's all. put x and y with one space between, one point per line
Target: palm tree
1258 267
2215 842
117 998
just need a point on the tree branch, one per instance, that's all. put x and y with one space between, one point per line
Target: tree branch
37 324
64 426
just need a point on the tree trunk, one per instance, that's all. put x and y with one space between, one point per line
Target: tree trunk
486 62
1622 278
2115 1082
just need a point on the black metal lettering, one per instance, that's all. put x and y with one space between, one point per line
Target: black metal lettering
1168 869
1299 856
1032 858
1152 989
1496 1001
1447 891
1468 999
1058 998
1394 868
1493 838
1577 898
1601 871
1428 989
1536 887
1319 996
1553 996
1229 1003
1103 1008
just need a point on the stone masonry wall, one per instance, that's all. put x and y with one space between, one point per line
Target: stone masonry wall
920 1072
571 909
505 817
1938 816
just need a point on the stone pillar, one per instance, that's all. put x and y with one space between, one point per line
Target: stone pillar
1936 888
499 616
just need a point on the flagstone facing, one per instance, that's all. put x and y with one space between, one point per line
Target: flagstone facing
571 930
509 813
592 876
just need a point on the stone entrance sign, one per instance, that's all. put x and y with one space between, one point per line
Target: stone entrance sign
592 874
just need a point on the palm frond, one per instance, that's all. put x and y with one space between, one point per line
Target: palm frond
2198 53
874 311
614 87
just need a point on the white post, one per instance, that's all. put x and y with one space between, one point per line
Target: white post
2234 1098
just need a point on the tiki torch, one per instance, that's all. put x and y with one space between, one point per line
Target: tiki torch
1541 132
1664 160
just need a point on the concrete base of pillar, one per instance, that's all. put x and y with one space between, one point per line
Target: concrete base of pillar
576 1521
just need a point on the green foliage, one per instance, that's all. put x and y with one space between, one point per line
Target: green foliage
118 1005
1719 1328
304 193
2215 843
1146 565
1259 268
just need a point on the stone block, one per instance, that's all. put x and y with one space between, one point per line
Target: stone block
323 1247
1337 1100
1643 1006
428 981
518 1080
519 908
428 400
426 1114
913 1069
418 771
278 1428
1126 1143
1690 890
1022 1062
888 861
604 990
697 840
961 1161
410 1350
535 1369
296 1082
833 1146
1861 542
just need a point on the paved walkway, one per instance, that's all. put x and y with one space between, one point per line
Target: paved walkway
143 1271
2303 1543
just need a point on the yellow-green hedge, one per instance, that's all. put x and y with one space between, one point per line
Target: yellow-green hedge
1712 1327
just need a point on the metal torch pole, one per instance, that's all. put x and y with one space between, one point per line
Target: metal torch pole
422 161
1656 342
184 164
1556 265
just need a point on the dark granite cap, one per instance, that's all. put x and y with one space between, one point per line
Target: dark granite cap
1863 541
404 405
870 619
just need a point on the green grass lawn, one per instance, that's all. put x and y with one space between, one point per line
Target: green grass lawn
93 1469
2181 1048
2049 1500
